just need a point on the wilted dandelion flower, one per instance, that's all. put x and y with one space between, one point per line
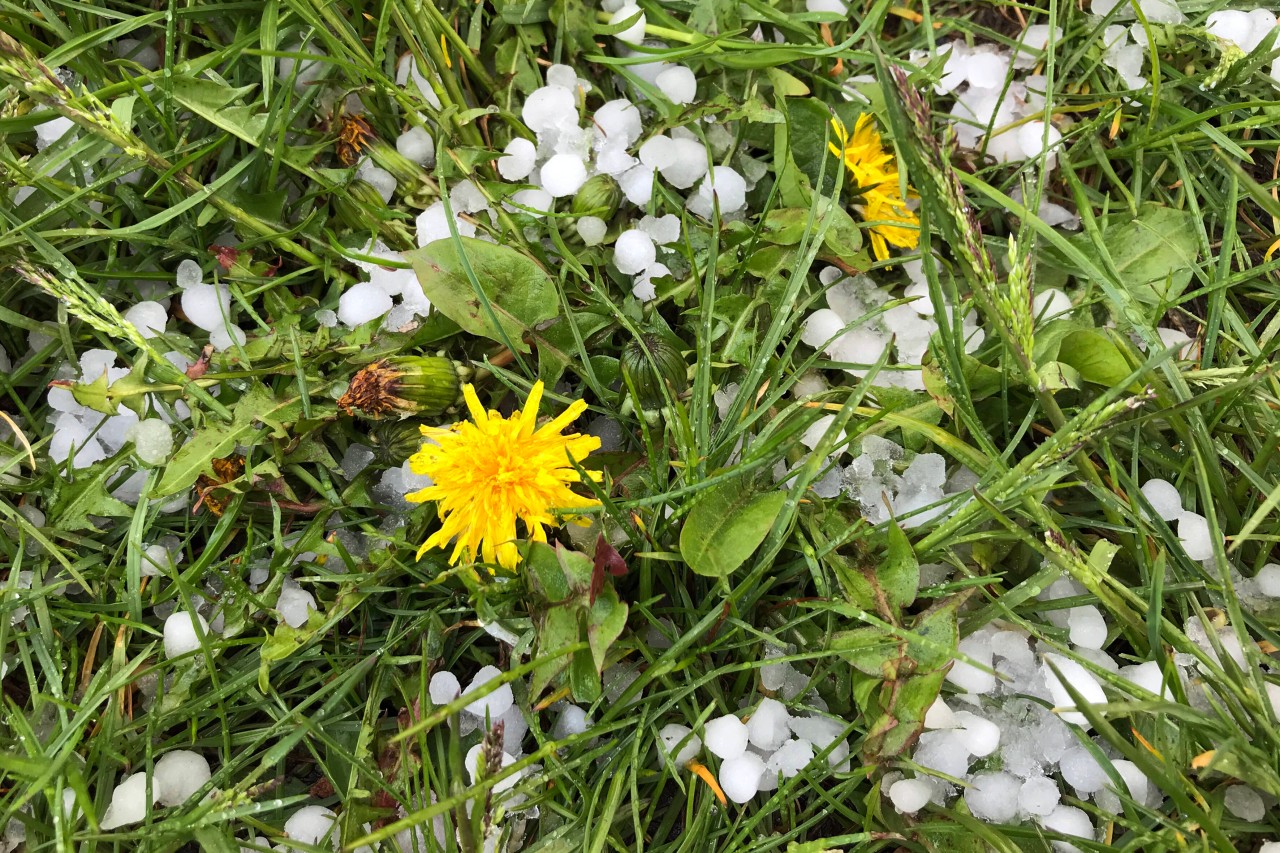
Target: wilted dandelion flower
874 173
489 474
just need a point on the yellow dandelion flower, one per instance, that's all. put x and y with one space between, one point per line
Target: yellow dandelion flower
874 174
489 474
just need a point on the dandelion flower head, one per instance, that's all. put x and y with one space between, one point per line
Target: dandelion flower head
874 173
490 472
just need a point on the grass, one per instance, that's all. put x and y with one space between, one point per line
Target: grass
1060 429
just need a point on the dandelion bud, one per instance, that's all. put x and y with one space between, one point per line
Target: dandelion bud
651 363
599 196
406 385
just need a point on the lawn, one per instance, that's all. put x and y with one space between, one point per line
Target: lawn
699 425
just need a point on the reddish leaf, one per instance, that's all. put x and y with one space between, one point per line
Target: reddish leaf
607 559
201 364
226 255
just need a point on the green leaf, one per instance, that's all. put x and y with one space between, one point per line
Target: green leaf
1154 253
898 729
605 623
725 527
841 239
1095 356
899 575
557 628
214 441
868 650
936 636
75 501
518 292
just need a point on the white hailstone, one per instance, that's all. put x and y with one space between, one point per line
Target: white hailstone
149 318
1161 11
993 796
1175 338
789 759
155 558
1035 138
294 604
128 802
811 436
740 776
968 677
1068 820
688 165
1270 847
517 159
495 704
443 688
563 175
678 84
1038 796
207 305
1035 39
152 440
1193 533
326 318
1232 25
644 289
514 728
820 327
679 744
563 76
535 201
178 775
572 721
613 160
1088 627
637 184
769 725
472 764
1049 303
1134 779
549 108
591 229
189 274
837 7
939 716
362 302
1268 580
1245 803
633 34
725 737
1164 498
377 177
658 152
312 825
617 122
910 795
417 146
633 252
1080 679
664 230
986 70
723 187
308 70
227 337
1148 676
1082 771
979 735
180 633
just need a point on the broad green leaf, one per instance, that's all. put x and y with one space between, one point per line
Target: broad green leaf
868 649
605 623
1095 356
841 239
936 636
519 293
217 440
557 628
725 527
75 501
900 725
899 574
1154 253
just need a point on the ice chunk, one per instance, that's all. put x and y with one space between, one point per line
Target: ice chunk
1193 533
725 737
188 274
679 744
633 34
993 797
417 146
149 318
563 175
178 775
180 633
128 803
1245 803
591 229
1164 498
979 735
910 795
1080 679
740 776
548 108
968 677
362 302
633 252
617 122
637 184
688 164
769 725
939 716
1088 628
312 825
152 440
663 230
207 305
495 704
572 721
678 84
1268 580
1148 676
1082 771
294 604
377 177
1068 820
944 752
443 688
722 186
790 758
1038 796
1049 303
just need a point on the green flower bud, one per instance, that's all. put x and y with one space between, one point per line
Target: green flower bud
395 441
599 196
651 363
407 385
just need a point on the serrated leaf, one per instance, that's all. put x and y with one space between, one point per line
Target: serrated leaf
725 527
218 440
1154 252
519 293
86 496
